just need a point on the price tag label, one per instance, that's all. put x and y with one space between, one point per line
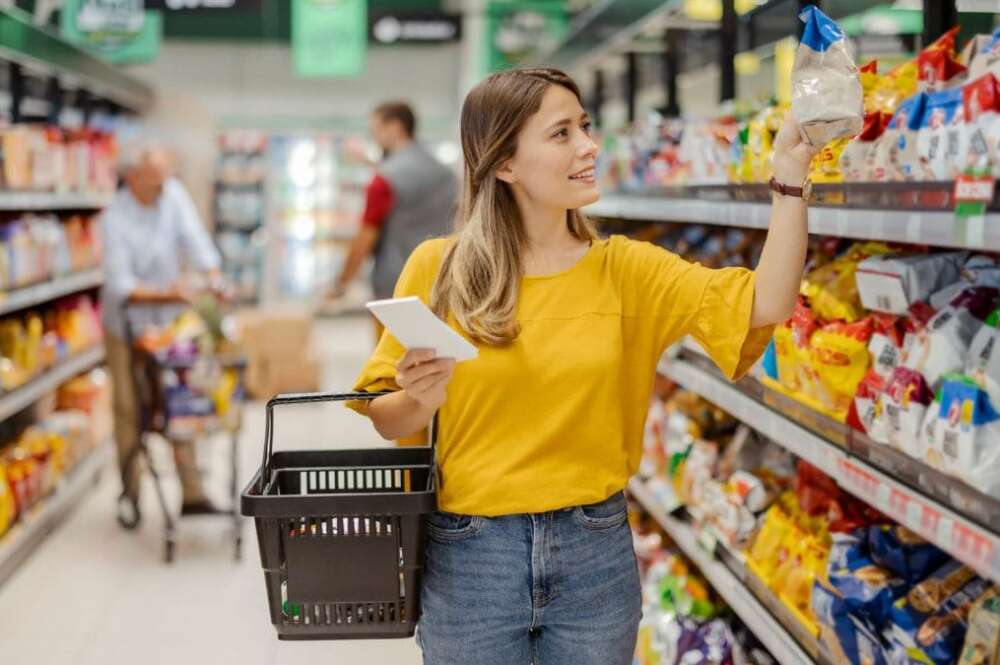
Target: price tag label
914 228
945 532
974 188
883 495
707 540
914 515
841 222
975 231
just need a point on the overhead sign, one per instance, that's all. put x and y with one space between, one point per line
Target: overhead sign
423 28
120 31
205 5
329 38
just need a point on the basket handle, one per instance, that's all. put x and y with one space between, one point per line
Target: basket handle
312 398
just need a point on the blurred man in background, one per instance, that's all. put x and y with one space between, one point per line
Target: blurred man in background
411 198
152 236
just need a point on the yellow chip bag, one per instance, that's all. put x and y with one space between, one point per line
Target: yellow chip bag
839 355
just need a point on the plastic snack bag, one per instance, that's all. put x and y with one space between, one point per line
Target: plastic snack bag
904 553
983 362
943 114
929 622
966 436
905 402
827 99
839 353
982 638
892 283
938 63
896 155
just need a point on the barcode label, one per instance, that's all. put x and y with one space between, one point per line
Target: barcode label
951 444
884 302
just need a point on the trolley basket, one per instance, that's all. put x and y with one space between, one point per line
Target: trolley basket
341 533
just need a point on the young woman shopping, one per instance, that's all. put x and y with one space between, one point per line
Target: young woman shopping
530 558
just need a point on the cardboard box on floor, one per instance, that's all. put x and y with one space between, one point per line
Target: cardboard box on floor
276 330
271 375
277 341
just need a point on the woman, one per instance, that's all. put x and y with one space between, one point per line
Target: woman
530 558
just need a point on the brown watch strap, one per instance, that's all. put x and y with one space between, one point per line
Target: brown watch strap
786 190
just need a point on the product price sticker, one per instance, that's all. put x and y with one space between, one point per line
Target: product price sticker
974 546
883 494
914 515
945 532
914 228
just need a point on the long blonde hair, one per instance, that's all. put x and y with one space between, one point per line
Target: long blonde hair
480 275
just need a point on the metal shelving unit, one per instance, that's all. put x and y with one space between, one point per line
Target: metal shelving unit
966 540
30 296
50 201
776 636
18 543
23 397
924 227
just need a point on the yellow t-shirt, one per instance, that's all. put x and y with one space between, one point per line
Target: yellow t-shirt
556 418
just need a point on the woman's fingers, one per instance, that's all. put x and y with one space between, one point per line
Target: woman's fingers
430 382
408 376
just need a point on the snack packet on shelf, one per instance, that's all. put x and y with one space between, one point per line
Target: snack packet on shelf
941 347
903 553
839 355
905 403
979 152
890 90
966 436
930 621
826 90
858 157
867 590
891 283
940 130
982 638
895 155
831 288
938 63
847 638
983 362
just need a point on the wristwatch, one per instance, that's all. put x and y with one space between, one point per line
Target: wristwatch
804 192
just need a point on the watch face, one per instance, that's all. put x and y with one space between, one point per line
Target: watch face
807 189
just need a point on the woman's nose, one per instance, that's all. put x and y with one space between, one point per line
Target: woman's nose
587 147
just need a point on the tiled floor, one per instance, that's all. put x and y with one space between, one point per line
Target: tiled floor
95 595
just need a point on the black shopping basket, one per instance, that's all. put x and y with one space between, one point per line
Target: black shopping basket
341 533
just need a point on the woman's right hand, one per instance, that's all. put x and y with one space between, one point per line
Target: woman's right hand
425 377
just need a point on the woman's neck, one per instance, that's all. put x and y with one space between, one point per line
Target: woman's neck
545 228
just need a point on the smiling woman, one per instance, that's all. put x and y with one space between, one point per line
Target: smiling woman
540 433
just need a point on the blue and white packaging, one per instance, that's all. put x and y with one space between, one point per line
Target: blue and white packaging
827 100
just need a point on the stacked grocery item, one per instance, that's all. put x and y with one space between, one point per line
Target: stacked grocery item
36 459
54 159
933 118
197 391
34 248
683 620
32 342
889 597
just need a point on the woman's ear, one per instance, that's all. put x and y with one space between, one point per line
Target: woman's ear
506 173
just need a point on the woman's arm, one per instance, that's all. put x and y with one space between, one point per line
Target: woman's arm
780 269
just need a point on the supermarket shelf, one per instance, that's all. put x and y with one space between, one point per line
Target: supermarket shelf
42 50
58 287
934 227
773 634
972 543
24 536
11 201
47 381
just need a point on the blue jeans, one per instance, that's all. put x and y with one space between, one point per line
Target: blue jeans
557 588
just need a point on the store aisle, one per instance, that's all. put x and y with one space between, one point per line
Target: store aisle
95 595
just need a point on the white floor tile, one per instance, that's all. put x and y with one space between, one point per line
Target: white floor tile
95 595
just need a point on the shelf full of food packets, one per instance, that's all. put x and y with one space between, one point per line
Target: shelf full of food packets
915 213
782 636
955 516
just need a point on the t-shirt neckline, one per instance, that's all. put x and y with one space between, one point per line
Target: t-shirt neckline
583 259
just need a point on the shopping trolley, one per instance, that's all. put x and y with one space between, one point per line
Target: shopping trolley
341 533
155 376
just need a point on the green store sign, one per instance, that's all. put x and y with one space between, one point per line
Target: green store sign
516 28
329 38
120 31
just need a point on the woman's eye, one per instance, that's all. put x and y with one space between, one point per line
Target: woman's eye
562 133
586 127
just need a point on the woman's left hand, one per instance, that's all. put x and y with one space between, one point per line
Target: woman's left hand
792 155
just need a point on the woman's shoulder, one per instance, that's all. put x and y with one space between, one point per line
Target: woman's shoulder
430 252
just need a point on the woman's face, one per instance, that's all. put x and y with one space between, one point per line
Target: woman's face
554 162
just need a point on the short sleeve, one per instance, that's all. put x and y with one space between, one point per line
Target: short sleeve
417 279
722 323
684 298
379 200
